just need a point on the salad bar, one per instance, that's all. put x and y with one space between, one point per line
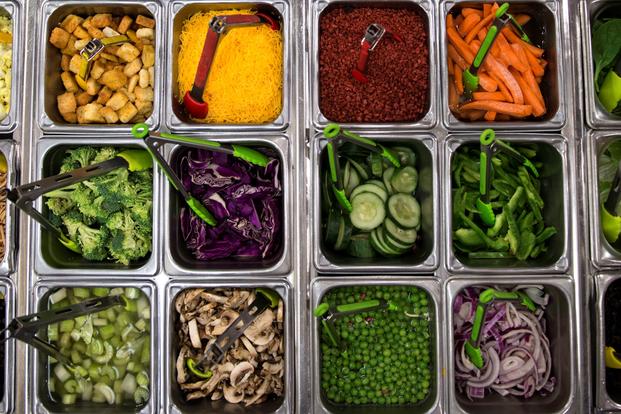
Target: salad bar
321 206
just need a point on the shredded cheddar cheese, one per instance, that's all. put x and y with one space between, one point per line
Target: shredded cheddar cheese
245 81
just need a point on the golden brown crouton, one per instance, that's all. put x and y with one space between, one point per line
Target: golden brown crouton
128 52
110 32
101 20
145 33
92 87
81 33
145 21
98 69
70 49
152 76
89 114
75 64
132 67
59 38
127 112
80 43
144 107
69 82
118 100
83 98
104 94
144 94
133 82
144 78
125 24
66 102
132 36
113 79
71 22
109 115
64 62
148 56
95 32
70 117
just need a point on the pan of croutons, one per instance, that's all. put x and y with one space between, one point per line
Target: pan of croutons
99 65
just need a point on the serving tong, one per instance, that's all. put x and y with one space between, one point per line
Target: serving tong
491 146
473 344
335 135
155 140
218 26
90 51
374 33
216 351
24 195
25 328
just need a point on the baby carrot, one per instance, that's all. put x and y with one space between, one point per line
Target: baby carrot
467 11
513 38
450 22
503 88
469 22
501 72
509 54
461 46
533 62
528 75
450 65
483 23
490 116
487 9
459 82
456 57
453 97
529 96
515 110
488 96
487 84
522 19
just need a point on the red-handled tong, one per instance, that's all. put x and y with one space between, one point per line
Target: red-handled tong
374 33
193 100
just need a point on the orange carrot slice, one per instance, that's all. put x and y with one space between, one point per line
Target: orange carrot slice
515 110
459 81
461 46
490 116
469 22
456 57
487 83
529 95
488 96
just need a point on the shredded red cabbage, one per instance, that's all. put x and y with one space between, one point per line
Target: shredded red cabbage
515 348
245 199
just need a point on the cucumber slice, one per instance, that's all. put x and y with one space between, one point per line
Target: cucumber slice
332 227
368 211
386 179
362 172
377 183
405 210
346 173
360 246
344 234
384 248
326 193
405 155
404 180
377 164
370 188
399 234
353 180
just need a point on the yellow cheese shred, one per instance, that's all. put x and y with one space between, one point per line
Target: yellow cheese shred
245 82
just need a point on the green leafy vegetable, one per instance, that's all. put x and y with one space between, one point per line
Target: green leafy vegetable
606 46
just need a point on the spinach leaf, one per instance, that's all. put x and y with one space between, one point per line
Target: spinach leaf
606 46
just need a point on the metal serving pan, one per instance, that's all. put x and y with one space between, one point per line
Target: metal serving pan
434 402
173 400
555 179
596 116
15 10
545 14
7 290
50 14
7 262
312 108
179 261
561 331
426 257
178 12
49 256
40 401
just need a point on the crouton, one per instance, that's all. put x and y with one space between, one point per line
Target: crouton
98 69
145 33
64 62
70 22
75 64
80 43
95 32
69 82
92 87
70 117
148 56
144 94
125 24
144 78
66 102
118 100
105 94
145 21
81 33
70 48
89 114
133 82
88 22
132 67
110 32
113 79
83 98
144 107
109 115
127 112
101 20
59 37
128 52
152 76
132 36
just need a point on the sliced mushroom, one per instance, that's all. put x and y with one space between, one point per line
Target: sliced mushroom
241 373
210 297
210 385
217 395
232 395
179 302
222 323
280 313
182 375
193 385
249 346
260 392
274 369
196 395
260 332
194 336
225 368
191 295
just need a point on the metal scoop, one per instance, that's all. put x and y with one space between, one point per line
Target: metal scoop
372 36
24 196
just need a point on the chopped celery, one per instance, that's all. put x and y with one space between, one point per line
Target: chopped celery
142 378
111 372
75 357
98 397
107 356
96 348
141 396
111 315
87 390
116 291
132 293
129 384
141 325
75 335
80 346
129 333
100 292
145 356
142 303
146 313
87 363
93 372
116 341
71 386
65 340
107 332
52 332
57 296
118 387
62 304
131 306
87 330
100 322
81 293
123 319
66 325
106 391
80 371
52 385
61 373
69 399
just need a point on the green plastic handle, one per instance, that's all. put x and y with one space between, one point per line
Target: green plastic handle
342 199
483 173
516 154
477 324
273 297
140 131
332 162
359 306
358 138
329 329
487 138
201 211
504 7
250 155
331 131
190 140
485 46
137 159
489 295
321 310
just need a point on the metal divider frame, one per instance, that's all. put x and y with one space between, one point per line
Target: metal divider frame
561 145
428 177
282 287
7 263
563 287
150 267
281 266
7 289
321 285
552 9
175 7
49 9
39 290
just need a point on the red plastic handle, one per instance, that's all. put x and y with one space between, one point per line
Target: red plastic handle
197 109
359 73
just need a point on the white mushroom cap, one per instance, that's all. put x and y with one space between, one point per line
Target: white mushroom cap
232 395
241 373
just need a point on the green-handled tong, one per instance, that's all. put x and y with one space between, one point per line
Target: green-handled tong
215 353
155 140
489 147
25 328
472 345
502 18
335 135
24 196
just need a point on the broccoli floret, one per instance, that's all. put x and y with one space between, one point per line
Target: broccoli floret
62 200
127 246
93 242
72 221
105 154
78 158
